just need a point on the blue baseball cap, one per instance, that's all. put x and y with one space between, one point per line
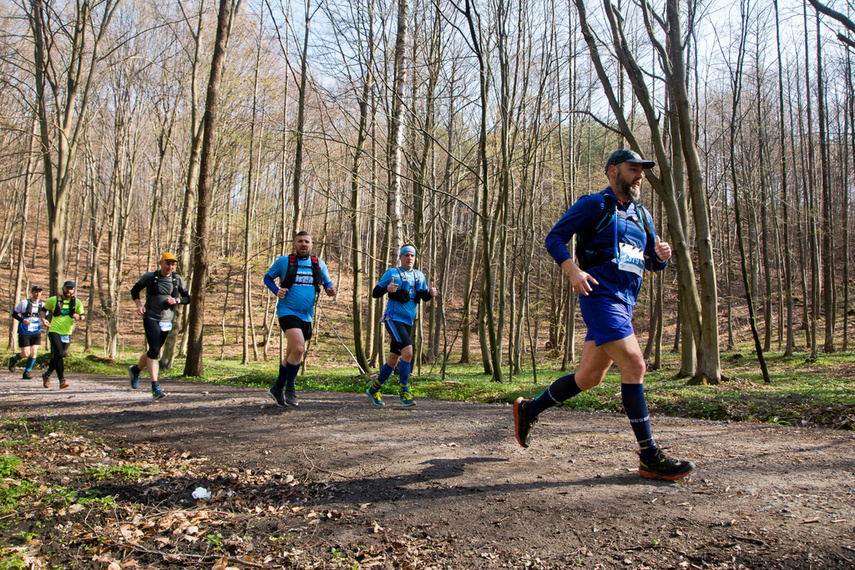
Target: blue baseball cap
626 155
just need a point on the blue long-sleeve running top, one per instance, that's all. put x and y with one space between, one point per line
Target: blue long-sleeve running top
627 237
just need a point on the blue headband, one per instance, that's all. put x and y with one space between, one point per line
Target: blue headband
407 249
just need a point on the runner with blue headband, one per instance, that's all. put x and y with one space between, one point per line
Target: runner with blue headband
406 287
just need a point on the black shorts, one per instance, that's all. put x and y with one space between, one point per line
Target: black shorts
154 337
291 322
29 340
400 334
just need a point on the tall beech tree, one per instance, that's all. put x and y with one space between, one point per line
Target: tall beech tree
194 365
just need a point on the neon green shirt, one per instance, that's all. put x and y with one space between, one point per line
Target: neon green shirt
60 322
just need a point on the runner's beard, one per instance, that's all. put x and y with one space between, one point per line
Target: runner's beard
633 192
630 190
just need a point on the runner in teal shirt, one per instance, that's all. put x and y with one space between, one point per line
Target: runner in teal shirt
301 277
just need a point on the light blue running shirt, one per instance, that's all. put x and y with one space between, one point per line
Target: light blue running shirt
300 299
414 281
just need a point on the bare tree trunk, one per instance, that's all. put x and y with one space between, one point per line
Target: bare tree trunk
301 120
660 309
396 131
689 296
688 347
827 221
188 205
224 337
728 276
194 365
355 215
789 344
22 239
810 204
487 285
249 193
375 340
469 284
166 123
96 232
736 81
762 163
850 115
709 364
448 224
61 127
569 170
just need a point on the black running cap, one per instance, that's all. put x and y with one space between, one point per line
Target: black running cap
36 288
69 284
626 155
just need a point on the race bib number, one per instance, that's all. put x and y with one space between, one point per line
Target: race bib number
630 259
33 326
165 326
65 338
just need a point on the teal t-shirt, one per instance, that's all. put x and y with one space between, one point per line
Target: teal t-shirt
414 282
300 299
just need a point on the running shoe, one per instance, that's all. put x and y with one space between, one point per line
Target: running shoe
291 397
156 392
26 375
277 397
135 376
63 385
12 363
46 380
523 422
660 466
375 397
406 398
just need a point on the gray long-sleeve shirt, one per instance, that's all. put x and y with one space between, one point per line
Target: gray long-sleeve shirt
158 289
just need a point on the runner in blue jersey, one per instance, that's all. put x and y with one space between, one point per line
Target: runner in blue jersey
29 330
301 277
406 287
617 243
164 290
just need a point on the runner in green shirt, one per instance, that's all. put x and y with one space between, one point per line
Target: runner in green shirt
62 311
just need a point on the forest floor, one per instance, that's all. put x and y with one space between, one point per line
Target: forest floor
338 483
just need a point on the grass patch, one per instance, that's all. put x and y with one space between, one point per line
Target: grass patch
9 465
802 391
122 473
12 560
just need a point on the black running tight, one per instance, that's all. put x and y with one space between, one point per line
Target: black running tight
57 353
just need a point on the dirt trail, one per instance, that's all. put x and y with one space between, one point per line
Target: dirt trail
762 496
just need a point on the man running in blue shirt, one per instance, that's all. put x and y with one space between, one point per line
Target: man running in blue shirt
616 243
301 276
406 287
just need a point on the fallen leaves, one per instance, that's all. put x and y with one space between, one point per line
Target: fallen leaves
253 519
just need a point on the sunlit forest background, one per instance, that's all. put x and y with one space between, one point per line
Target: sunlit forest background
215 130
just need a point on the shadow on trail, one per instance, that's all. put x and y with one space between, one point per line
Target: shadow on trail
437 482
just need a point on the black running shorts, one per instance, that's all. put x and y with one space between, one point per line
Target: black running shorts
291 322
